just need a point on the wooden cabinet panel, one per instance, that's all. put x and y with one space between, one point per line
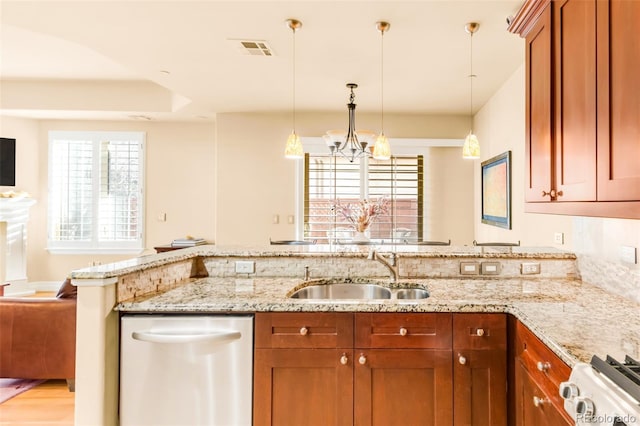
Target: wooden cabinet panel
480 369
480 331
391 330
403 387
532 403
304 330
303 387
574 35
538 110
618 100
544 369
480 387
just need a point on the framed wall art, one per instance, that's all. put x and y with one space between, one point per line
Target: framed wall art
496 190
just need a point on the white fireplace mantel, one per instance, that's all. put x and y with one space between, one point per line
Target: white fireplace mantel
14 215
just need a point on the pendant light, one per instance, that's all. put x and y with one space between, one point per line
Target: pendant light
294 146
471 147
381 149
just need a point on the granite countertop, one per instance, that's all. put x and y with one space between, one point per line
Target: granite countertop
321 250
576 320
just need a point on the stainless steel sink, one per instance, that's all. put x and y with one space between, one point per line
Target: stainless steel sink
412 293
343 291
357 289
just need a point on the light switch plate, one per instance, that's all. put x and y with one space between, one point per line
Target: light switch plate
469 268
490 268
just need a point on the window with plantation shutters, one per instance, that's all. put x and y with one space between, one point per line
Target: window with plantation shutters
95 191
334 180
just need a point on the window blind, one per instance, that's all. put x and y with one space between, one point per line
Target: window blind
332 179
95 190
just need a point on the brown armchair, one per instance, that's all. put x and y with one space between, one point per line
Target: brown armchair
38 337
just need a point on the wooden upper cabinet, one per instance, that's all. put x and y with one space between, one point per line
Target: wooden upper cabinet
582 154
574 37
538 110
618 100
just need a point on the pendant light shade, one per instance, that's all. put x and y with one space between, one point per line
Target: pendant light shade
471 147
382 149
293 149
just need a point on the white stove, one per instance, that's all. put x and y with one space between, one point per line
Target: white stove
604 392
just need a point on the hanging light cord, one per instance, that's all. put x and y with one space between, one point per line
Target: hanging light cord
294 79
471 76
382 82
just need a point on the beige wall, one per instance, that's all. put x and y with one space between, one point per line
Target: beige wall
256 182
180 181
500 126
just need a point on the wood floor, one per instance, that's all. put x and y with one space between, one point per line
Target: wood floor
49 403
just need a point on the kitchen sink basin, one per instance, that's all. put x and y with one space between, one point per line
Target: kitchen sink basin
343 291
412 293
336 289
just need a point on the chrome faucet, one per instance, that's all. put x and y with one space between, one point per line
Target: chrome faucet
391 264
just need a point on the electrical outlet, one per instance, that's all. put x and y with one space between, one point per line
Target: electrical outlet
558 238
628 254
245 267
469 268
275 219
530 268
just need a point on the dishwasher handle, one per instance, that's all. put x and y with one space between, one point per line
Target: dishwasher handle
188 336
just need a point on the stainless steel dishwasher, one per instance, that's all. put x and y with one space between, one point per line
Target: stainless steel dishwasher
186 370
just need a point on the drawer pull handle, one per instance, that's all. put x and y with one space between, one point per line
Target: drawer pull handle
480 332
362 360
403 331
545 193
343 359
538 402
462 360
304 331
543 366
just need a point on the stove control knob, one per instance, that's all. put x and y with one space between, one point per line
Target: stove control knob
568 390
584 407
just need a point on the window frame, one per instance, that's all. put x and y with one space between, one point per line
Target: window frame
95 246
399 147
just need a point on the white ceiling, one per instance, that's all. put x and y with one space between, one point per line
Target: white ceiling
85 48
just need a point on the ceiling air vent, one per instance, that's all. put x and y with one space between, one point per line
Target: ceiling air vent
252 47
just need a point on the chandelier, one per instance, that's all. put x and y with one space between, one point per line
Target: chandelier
352 144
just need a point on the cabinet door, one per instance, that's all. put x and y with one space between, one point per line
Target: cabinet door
303 387
618 100
574 35
538 110
403 387
533 407
480 387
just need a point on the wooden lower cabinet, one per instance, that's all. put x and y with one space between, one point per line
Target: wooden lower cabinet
303 387
480 388
533 405
480 369
403 387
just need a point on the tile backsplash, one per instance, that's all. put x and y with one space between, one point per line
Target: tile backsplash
597 244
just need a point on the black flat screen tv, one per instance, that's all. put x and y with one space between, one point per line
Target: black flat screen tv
7 162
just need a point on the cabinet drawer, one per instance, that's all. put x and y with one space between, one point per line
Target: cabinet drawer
403 331
544 367
304 330
479 331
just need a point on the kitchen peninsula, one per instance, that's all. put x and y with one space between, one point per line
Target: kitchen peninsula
573 319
